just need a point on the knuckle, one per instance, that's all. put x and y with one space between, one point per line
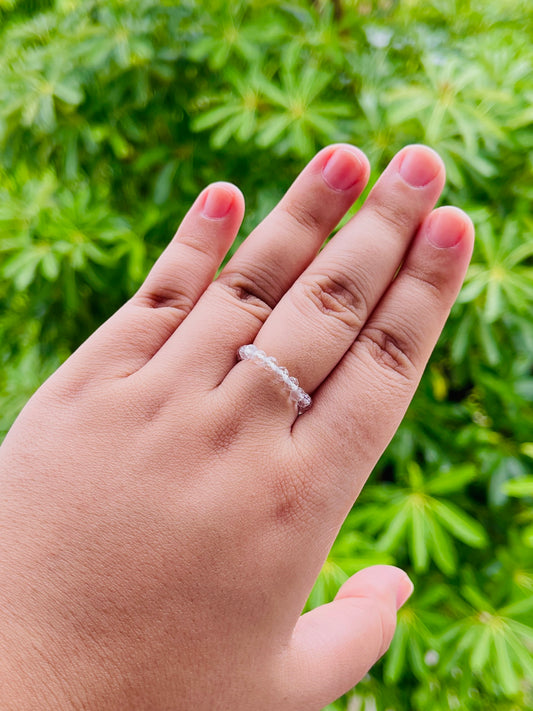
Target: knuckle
292 500
289 501
166 295
391 352
338 296
395 212
421 280
255 288
302 215
196 245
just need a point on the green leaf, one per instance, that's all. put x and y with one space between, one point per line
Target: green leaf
419 539
163 184
481 650
22 267
272 129
460 524
452 480
69 93
504 667
213 117
519 487
50 266
442 550
390 539
396 656
518 608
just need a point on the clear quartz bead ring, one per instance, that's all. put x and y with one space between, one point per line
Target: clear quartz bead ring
296 394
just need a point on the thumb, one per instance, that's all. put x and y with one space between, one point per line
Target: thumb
334 646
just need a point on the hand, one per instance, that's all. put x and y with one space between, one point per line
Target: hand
165 512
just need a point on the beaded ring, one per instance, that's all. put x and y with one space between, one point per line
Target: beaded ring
296 394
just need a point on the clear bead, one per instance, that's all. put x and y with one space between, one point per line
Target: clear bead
294 396
304 401
286 379
271 362
260 355
293 383
246 352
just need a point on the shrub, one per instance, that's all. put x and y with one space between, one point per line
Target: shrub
113 116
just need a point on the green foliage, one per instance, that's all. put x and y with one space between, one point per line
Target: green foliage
418 517
114 115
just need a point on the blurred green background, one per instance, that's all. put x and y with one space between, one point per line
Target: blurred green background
115 114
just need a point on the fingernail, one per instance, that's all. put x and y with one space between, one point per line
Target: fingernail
446 228
419 166
343 170
217 203
404 591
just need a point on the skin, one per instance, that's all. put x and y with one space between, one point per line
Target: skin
165 512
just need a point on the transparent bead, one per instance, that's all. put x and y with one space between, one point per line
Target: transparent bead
294 395
271 362
246 352
282 374
293 383
304 401
260 355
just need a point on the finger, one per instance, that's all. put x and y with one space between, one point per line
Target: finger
189 263
363 401
335 645
267 263
319 318
177 280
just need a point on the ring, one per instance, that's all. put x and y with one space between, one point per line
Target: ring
296 394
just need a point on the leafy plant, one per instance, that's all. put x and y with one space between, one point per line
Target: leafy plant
419 517
115 114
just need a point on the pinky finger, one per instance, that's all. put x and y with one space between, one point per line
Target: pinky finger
189 263
177 280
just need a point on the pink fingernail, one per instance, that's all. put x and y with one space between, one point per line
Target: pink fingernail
404 592
343 170
446 228
419 166
217 203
